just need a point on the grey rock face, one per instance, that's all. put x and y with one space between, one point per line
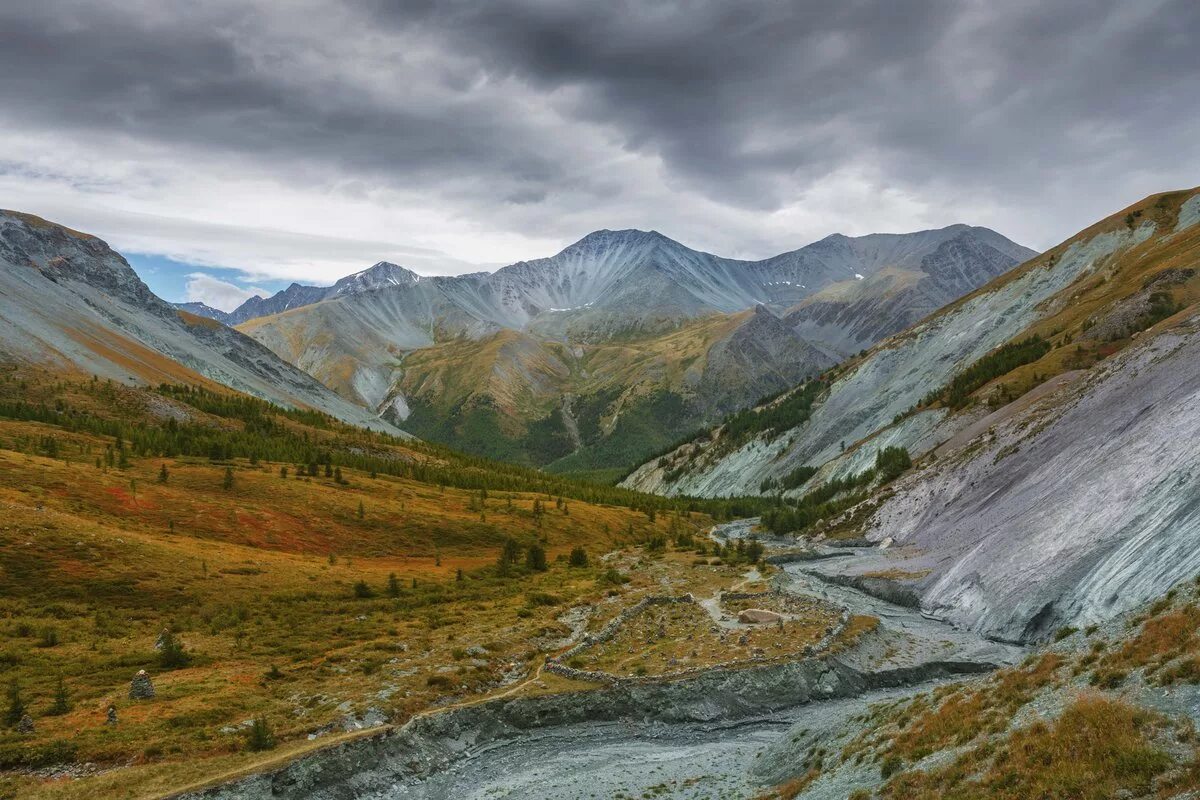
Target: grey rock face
141 687
1080 509
72 301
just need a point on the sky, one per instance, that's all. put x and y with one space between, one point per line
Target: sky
230 147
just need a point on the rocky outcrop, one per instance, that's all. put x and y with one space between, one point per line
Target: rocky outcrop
1081 507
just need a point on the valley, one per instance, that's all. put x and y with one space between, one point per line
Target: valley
889 579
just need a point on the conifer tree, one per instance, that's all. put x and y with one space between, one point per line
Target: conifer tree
16 707
62 701
535 558
260 736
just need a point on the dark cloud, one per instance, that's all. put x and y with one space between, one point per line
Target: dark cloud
701 118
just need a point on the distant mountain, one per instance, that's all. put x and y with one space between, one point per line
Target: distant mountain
206 311
297 295
71 302
650 338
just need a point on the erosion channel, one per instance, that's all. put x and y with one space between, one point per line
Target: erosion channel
722 733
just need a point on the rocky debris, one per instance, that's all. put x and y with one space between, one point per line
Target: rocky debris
758 616
884 588
25 724
478 651
141 687
430 746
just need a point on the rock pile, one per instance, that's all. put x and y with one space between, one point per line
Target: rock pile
140 688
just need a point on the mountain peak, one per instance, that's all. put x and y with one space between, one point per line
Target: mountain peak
381 275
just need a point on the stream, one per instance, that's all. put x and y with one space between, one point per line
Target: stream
634 759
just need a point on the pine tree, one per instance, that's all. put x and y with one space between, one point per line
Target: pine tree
162 474
260 737
172 655
62 702
511 551
579 557
227 484
361 511
393 588
535 558
16 708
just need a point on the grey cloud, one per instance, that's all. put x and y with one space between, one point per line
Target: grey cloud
1053 113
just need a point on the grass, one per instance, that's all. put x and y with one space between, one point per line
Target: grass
1097 749
258 582
669 638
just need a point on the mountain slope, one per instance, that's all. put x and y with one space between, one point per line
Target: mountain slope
879 398
613 300
72 302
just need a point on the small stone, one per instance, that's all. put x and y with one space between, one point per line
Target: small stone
141 688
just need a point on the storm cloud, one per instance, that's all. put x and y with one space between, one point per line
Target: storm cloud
464 133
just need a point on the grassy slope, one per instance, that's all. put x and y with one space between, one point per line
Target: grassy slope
96 560
1085 718
501 396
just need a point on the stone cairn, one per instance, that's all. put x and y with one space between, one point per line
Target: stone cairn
140 688
111 718
25 724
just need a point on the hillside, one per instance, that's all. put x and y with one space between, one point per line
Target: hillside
1084 300
326 577
640 337
72 302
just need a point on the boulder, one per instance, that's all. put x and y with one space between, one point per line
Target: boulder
758 616
25 724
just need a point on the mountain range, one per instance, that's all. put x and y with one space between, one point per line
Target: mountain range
617 345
